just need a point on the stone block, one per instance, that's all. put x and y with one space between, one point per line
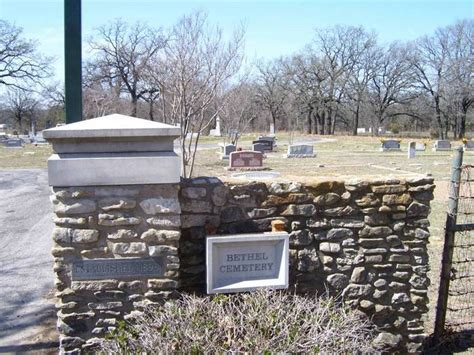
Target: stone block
194 192
159 236
165 221
75 207
129 249
110 204
158 205
338 281
330 248
299 210
75 236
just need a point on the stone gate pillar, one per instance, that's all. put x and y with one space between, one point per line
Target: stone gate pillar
115 182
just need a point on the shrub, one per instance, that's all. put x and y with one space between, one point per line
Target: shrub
258 322
395 127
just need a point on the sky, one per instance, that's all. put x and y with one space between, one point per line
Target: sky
274 28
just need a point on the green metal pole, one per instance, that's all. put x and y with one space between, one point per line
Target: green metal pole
73 60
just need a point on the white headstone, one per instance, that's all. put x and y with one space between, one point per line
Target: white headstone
411 150
300 151
421 147
246 262
272 128
217 131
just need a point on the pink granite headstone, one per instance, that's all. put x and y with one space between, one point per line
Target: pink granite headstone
246 159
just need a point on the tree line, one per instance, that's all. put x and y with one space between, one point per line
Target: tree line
192 73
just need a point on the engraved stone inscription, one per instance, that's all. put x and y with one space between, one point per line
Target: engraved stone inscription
101 269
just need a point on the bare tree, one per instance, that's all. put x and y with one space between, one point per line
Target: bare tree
391 84
239 110
430 64
340 48
21 106
123 55
364 72
21 66
271 93
460 73
200 64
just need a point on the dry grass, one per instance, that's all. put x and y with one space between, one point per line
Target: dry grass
30 156
261 322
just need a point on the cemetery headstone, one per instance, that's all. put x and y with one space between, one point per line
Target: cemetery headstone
411 150
268 138
390 145
442 145
259 147
272 128
26 139
216 132
245 159
226 149
361 130
300 151
421 147
469 145
239 263
13 143
267 143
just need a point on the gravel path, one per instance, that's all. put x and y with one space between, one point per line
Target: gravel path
26 275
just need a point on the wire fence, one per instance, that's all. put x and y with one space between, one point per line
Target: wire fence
460 303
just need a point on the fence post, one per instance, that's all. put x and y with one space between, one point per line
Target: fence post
448 245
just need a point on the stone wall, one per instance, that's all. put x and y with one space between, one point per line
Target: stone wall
111 222
364 240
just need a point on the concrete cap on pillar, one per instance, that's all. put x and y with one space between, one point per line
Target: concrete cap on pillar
113 150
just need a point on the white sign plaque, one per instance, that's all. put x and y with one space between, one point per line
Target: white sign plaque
246 262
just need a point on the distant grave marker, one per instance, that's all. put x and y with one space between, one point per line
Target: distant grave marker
268 144
226 149
300 151
13 143
442 145
469 145
421 147
411 150
390 145
246 159
25 139
216 132
268 138
259 147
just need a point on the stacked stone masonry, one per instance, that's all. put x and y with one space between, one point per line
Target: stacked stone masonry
115 222
365 240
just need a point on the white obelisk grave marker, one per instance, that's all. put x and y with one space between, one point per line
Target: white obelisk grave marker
411 150
115 182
